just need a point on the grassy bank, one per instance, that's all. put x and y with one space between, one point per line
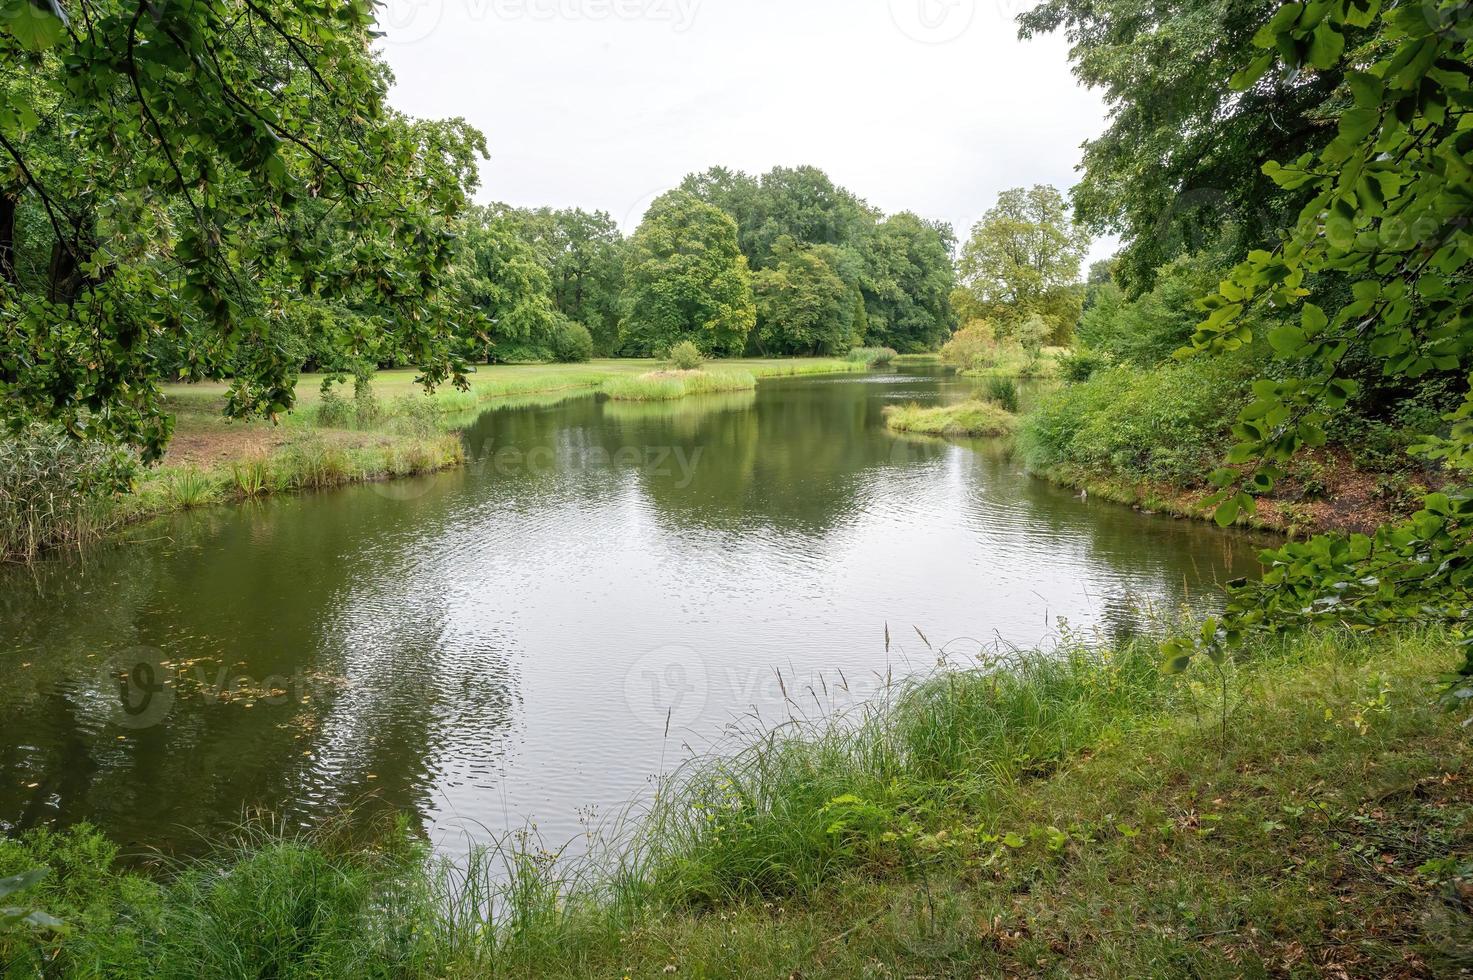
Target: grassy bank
663 386
392 429
1076 813
969 418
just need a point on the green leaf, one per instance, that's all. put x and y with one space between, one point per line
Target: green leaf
35 28
1326 46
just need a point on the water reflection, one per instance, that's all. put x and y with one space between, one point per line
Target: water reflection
605 588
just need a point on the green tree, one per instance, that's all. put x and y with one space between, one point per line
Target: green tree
161 153
803 305
801 203
1023 259
907 278
503 283
584 256
1386 224
686 279
1182 154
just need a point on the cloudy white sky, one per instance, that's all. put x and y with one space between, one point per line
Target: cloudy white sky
932 106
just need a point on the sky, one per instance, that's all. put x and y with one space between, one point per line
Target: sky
931 106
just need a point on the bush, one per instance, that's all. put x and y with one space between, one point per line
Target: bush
1170 423
1080 364
571 342
333 411
1004 392
972 346
366 408
55 490
687 356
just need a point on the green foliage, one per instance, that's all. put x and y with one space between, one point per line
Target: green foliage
1150 328
897 270
1378 263
803 305
1179 161
1003 392
1023 261
972 346
687 280
584 257
686 356
1166 424
502 281
54 490
189 175
333 411
906 277
970 418
571 342
1080 364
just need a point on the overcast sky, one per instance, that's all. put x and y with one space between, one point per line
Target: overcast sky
932 106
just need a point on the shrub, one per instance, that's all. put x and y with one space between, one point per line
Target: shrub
333 410
972 346
687 356
571 342
1170 423
366 408
415 415
55 490
1080 364
871 355
1003 391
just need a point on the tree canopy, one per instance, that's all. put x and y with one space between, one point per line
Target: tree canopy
1023 260
687 279
190 171
1182 155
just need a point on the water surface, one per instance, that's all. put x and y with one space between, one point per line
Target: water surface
605 589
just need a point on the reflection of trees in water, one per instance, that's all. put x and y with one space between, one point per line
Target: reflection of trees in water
234 597
1157 566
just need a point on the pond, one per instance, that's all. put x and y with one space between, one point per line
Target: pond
605 589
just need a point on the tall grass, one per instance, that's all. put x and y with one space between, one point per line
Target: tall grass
872 355
670 385
55 491
969 418
800 807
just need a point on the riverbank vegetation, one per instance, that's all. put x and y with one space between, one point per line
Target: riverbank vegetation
1072 812
970 418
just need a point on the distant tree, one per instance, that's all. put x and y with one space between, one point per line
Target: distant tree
907 279
584 256
803 306
1023 259
505 288
686 279
801 203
